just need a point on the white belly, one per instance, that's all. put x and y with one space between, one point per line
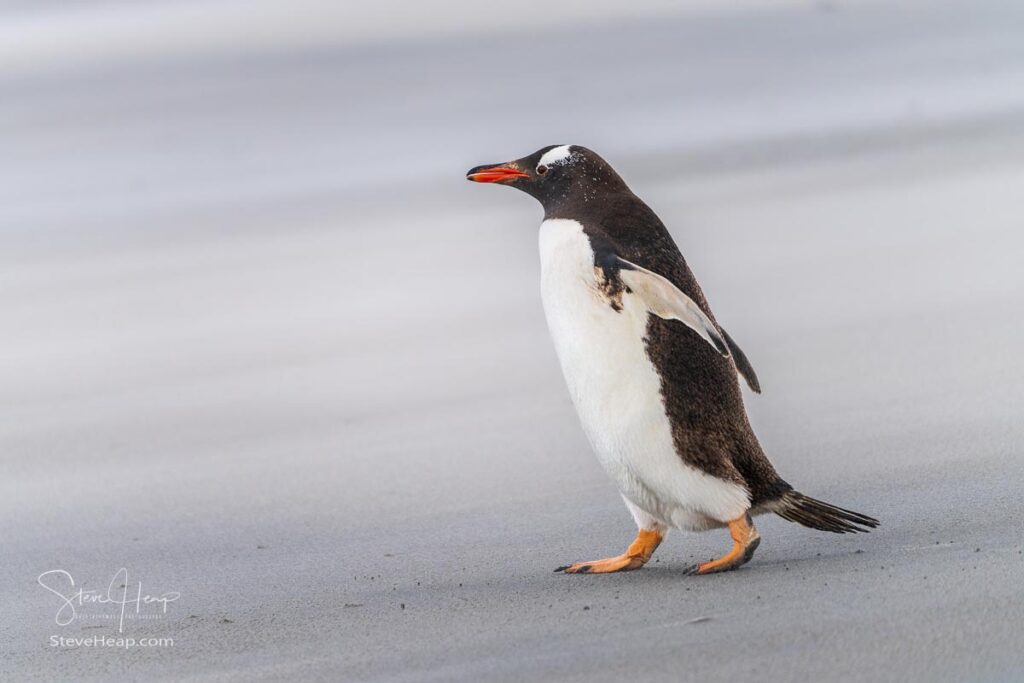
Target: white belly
617 391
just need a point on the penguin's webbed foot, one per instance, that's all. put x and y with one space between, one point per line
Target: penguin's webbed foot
745 541
621 563
636 556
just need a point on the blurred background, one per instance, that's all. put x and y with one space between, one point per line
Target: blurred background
264 345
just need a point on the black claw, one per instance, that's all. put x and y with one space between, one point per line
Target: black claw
691 570
585 569
562 569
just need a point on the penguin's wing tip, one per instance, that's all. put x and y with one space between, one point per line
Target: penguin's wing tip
665 300
743 365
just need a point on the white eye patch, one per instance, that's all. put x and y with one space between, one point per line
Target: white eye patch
553 157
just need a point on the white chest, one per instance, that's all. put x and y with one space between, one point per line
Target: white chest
601 349
613 384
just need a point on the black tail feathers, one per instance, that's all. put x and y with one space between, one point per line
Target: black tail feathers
796 507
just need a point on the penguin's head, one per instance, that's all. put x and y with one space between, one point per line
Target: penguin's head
554 175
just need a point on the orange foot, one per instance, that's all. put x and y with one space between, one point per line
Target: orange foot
636 556
745 541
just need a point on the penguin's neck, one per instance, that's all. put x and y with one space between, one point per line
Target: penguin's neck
620 217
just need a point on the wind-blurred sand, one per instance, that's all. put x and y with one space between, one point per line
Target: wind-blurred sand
263 345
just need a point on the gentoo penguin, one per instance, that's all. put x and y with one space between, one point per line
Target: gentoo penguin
651 373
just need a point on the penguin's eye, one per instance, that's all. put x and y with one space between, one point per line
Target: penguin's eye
542 169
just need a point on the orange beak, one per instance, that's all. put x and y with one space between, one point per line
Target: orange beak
494 174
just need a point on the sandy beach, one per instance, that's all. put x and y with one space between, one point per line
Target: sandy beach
264 347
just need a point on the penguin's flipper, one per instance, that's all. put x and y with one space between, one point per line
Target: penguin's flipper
742 364
663 299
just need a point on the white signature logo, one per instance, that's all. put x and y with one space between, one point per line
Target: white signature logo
62 584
